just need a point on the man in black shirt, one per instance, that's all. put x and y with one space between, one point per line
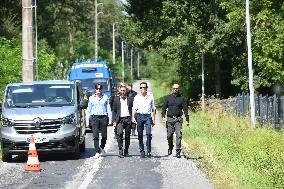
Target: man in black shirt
174 104
131 93
111 101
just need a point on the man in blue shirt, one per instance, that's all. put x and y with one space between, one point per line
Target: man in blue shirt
99 115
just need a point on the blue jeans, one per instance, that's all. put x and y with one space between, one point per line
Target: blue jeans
144 120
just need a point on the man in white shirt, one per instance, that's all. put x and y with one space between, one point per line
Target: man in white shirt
122 111
143 114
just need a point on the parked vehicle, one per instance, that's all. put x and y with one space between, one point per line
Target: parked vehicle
48 110
91 72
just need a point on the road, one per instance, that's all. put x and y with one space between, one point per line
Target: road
109 171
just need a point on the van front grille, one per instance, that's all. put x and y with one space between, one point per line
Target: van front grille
28 127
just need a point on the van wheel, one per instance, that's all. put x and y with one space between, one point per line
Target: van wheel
6 157
76 153
83 146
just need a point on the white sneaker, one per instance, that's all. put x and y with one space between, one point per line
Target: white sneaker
102 151
97 155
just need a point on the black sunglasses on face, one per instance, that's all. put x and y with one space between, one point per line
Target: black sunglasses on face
143 87
98 88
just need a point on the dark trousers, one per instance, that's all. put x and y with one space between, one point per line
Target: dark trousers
144 120
99 123
174 125
123 124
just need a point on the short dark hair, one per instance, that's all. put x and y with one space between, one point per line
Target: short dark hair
130 84
122 86
144 83
98 85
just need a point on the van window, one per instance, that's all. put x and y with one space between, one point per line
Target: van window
39 95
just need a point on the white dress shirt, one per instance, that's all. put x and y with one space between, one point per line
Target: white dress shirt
144 104
124 108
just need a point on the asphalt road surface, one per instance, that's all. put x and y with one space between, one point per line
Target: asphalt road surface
108 171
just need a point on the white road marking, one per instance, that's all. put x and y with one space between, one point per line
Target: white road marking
89 169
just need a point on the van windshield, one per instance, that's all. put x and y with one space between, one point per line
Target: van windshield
89 84
22 96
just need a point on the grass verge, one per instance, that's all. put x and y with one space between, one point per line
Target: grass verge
232 154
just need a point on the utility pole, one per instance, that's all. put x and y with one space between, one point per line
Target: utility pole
251 88
122 59
131 63
113 42
27 41
96 27
36 53
202 75
138 62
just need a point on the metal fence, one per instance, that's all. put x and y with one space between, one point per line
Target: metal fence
269 110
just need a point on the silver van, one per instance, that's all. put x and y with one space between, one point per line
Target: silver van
48 110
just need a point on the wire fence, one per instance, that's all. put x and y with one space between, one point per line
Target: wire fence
269 110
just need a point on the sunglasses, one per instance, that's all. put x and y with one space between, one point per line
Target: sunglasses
175 88
143 87
98 88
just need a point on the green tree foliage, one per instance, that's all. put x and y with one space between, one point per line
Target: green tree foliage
179 30
11 63
65 33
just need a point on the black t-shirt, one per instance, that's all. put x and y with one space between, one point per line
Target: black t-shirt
174 106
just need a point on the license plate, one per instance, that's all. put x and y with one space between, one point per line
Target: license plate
39 139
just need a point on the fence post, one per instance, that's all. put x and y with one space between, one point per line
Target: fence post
256 100
281 110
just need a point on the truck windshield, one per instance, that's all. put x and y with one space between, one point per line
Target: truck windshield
89 84
22 96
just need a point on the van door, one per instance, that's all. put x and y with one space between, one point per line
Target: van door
80 114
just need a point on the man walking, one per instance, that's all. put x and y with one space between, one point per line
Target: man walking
111 101
174 104
131 93
122 111
143 113
99 115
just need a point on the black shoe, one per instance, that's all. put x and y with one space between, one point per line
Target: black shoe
149 155
178 154
142 155
170 151
126 153
120 154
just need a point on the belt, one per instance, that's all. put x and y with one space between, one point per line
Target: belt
98 116
175 117
126 117
143 114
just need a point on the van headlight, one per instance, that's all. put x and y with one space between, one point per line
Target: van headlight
6 122
69 119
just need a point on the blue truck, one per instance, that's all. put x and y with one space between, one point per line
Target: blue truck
90 72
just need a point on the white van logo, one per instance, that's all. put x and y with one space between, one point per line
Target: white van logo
37 122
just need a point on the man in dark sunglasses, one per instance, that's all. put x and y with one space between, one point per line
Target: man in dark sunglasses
143 114
99 115
174 104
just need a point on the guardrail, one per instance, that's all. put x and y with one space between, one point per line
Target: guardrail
269 110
